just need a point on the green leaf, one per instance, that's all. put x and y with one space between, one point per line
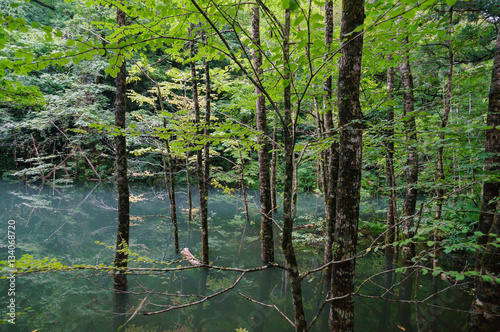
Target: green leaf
298 20
430 243
285 4
487 278
47 28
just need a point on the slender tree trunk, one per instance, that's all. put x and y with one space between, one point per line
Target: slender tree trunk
295 186
188 180
171 194
266 223
390 235
199 158
289 144
410 200
170 179
122 236
331 161
486 306
243 190
349 173
206 166
274 165
444 123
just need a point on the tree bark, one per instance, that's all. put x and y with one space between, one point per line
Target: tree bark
188 180
122 236
390 235
266 223
274 165
171 194
444 123
289 144
200 169
330 156
486 306
350 158
410 200
206 167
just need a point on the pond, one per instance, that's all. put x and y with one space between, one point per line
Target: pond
77 225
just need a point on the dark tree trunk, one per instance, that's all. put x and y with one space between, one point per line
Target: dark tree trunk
350 157
243 190
289 144
188 180
266 223
390 235
170 179
122 237
486 305
171 194
330 161
410 200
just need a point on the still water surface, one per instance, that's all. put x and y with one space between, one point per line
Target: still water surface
77 225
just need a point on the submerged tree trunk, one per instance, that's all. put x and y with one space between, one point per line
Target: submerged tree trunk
122 236
410 200
486 306
266 223
390 235
289 144
349 174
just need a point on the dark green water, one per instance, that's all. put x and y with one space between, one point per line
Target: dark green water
66 224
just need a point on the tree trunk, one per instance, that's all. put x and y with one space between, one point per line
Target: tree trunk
243 190
171 194
200 170
266 223
170 179
274 165
289 144
410 200
350 157
122 236
444 123
330 162
206 167
390 235
188 180
486 306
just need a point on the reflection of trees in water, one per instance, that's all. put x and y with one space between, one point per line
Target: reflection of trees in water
76 222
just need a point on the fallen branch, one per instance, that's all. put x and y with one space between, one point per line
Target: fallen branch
196 302
190 257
